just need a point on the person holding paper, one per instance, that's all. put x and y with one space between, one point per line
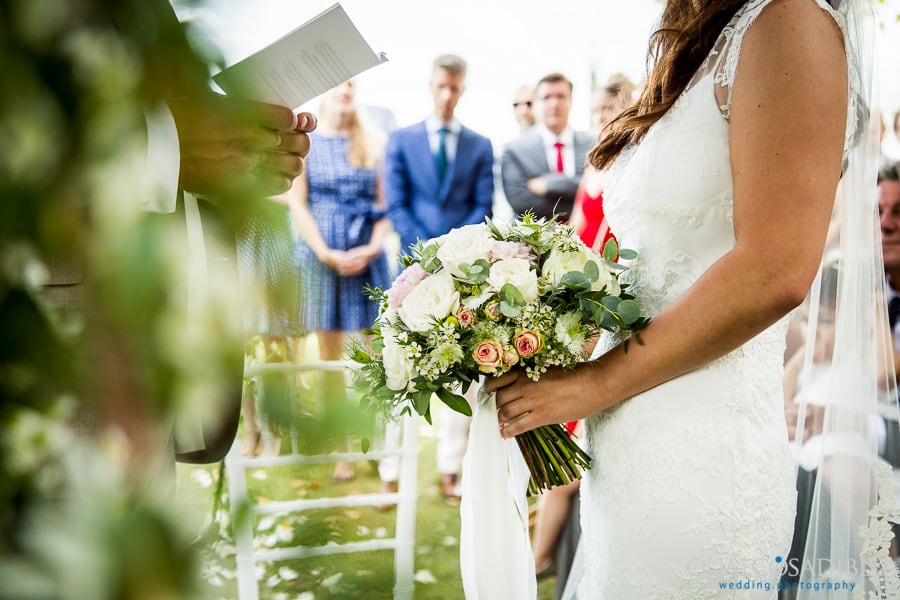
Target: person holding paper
439 175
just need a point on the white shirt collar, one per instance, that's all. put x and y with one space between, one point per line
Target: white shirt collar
433 124
567 136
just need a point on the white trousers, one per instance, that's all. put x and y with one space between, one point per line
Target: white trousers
452 429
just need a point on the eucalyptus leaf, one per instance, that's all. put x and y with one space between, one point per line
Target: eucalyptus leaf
611 302
509 310
511 294
627 254
591 270
629 311
607 321
575 280
610 249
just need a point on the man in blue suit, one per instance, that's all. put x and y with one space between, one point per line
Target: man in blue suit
438 175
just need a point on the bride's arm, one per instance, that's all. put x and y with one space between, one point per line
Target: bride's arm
789 106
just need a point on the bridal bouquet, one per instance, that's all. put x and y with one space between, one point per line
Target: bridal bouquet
484 299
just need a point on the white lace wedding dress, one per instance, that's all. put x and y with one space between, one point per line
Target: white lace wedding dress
692 493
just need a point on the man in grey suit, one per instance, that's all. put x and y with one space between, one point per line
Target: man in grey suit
541 170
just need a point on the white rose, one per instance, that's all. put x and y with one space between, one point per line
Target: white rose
397 366
388 319
432 298
464 245
515 271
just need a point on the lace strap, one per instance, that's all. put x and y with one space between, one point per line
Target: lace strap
728 48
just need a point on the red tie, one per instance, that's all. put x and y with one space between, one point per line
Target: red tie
559 158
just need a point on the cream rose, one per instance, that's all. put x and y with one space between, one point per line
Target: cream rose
515 271
432 298
559 263
464 245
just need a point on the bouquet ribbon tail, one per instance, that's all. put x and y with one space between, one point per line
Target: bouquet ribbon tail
495 551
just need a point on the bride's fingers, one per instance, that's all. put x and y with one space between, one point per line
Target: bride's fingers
512 409
517 425
492 384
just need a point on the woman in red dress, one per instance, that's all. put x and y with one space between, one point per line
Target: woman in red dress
587 214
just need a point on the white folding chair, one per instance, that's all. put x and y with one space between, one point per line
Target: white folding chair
403 542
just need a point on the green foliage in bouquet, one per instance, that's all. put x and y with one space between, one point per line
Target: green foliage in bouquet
485 299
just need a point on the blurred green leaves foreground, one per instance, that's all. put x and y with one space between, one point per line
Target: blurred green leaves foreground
98 355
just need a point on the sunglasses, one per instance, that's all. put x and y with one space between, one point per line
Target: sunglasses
518 104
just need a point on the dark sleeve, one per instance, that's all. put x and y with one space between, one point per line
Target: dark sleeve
515 181
484 186
398 193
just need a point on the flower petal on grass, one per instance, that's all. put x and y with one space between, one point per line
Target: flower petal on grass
424 576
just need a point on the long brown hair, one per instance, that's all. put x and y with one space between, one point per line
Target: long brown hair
687 31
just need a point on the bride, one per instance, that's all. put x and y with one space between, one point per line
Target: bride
723 178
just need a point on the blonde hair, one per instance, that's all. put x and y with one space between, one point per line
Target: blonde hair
365 147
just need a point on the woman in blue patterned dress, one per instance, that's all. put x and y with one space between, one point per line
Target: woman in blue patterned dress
337 208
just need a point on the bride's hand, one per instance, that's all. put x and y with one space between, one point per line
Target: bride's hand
522 404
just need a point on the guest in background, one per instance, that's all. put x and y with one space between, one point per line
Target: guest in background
541 169
557 526
438 175
523 107
338 213
587 219
270 286
890 140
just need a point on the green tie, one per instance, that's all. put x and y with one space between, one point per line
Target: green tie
440 159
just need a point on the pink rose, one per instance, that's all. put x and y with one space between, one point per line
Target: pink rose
405 282
466 317
502 250
489 355
528 343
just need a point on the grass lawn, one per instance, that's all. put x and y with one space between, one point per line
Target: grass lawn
367 575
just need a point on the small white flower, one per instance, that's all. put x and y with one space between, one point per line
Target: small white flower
287 573
332 581
284 532
517 272
568 332
464 245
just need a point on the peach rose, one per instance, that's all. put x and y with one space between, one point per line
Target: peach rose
489 355
466 317
528 343
510 357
